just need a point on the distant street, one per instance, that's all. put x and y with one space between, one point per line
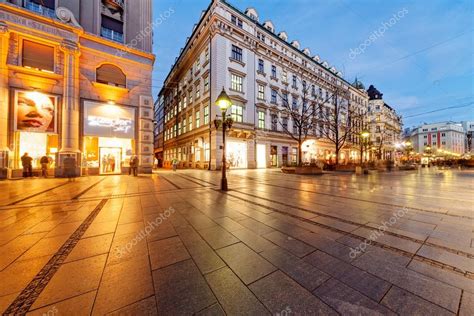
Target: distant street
171 243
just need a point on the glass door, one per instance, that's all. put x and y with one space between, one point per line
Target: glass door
110 160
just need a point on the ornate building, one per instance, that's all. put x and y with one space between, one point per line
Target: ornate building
384 124
75 80
260 69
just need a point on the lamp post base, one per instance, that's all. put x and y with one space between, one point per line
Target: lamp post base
224 184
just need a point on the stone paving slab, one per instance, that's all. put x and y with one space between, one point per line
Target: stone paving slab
405 303
234 297
347 301
245 263
281 295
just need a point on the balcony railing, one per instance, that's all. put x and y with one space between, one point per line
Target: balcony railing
40 9
114 4
111 34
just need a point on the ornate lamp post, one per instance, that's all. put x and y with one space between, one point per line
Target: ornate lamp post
364 136
223 102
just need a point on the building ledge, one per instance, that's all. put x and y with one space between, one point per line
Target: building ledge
25 73
103 86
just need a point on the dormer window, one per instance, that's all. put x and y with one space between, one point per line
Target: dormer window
112 29
43 7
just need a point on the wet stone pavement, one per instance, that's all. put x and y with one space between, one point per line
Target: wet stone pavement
171 243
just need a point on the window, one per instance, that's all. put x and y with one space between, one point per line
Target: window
184 125
38 56
237 113
377 129
44 7
236 53
261 119
284 123
236 83
261 65
185 102
261 92
284 76
207 54
111 75
236 21
191 97
206 115
179 128
190 122
274 71
274 122
313 90
304 85
180 105
198 63
294 103
294 82
274 96
198 119
112 29
285 98
206 84
198 93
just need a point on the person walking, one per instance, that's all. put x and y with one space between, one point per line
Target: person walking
69 164
174 162
26 162
135 165
44 161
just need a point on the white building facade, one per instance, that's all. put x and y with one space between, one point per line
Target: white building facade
445 137
384 125
259 69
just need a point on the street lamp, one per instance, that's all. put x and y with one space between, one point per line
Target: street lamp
223 102
364 136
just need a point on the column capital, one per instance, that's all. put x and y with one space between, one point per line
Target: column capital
3 29
70 47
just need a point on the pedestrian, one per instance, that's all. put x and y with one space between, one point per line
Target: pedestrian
26 162
105 163
44 161
69 164
130 170
135 165
174 162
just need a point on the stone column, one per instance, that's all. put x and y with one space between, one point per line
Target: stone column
4 150
70 106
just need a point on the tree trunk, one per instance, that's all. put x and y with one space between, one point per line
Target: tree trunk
337 155
300 153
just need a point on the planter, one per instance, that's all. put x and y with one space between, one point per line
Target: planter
290 170
308 170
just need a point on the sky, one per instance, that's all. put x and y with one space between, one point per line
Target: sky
419 54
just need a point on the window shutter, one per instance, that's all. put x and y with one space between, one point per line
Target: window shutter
112 24
38 56
112 75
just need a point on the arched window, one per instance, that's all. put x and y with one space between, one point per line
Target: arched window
111 75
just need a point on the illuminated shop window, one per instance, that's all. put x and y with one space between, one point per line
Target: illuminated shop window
36 145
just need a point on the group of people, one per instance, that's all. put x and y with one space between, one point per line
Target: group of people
27 164
69 165
108 163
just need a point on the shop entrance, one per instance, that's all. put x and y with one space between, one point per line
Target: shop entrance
110 160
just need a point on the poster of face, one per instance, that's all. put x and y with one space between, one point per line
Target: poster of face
106 120
35 112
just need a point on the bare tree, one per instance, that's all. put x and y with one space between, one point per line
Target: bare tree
341 119
301 111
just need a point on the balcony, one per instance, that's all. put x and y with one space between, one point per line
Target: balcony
115 5
43 10
111 34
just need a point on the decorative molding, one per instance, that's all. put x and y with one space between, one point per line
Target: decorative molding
66 16
3 28
70 47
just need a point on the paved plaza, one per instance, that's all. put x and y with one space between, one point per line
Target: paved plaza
171 243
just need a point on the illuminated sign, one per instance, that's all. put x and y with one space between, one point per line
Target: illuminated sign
108 120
